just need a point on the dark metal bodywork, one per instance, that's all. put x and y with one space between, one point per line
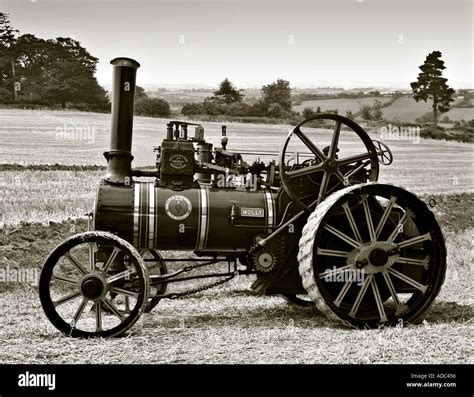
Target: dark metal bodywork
140 214
365 253
212 221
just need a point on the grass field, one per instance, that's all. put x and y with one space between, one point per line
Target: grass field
231 325
402 109
41 196
458 114
342 105
406 110
35 137
227 324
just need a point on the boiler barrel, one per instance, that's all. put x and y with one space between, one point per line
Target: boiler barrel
198 219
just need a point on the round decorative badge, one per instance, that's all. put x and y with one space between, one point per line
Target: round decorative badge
178 207
178 161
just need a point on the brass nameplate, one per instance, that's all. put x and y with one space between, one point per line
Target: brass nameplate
252 212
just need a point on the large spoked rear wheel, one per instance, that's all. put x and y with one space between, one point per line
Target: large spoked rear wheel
372 255
94 284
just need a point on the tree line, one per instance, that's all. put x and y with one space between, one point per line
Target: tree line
275 102
47 72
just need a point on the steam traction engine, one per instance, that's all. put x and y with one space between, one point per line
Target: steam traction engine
315 227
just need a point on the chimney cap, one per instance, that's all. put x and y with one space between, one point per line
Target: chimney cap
128 62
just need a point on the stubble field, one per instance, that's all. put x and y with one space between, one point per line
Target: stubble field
228 324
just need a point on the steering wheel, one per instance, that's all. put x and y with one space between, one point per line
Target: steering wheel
309 183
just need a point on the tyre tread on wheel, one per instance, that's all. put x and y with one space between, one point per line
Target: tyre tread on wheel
401 272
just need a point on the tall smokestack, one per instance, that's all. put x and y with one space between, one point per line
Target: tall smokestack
119 157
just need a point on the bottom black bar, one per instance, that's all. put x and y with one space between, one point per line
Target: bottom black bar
245 380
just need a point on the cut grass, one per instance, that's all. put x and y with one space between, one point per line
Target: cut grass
29 137
43 196
227 324
231 325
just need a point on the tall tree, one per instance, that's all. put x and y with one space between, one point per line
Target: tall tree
431 85
7 53
69 75
227 93
50 71
32 59
278 92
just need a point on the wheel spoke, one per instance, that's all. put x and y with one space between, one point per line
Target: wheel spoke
118 276
344 178
339 176
384 155
360 295
80 310
333 272
304 171
98 316
328 252
410 261
343 291
67 298
123 291
353 159
310 145
398 229
378 301
352 222
391 288
65 280
342 236
335 140
385 215
332 189
408 280
356 170
323 187
92 251
309 195
127 305
76 264
111 259
113 309
368 218
415 240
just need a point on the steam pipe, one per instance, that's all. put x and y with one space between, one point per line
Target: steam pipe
119 157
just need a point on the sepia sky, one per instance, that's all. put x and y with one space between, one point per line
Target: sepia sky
309 42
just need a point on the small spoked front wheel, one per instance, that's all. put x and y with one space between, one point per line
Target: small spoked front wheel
94 284
371 255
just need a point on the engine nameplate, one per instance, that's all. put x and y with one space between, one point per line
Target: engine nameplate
252 212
